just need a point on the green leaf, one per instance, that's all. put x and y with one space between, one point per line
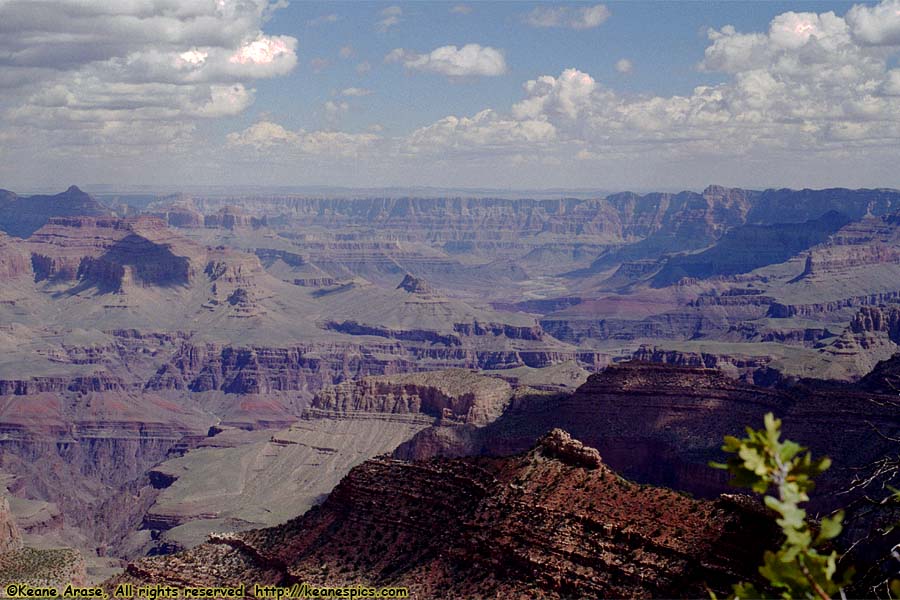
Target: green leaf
830 527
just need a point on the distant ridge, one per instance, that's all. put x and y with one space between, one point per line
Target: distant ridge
21 216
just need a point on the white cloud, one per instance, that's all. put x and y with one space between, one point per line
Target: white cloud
107 67
877 25
891 85
469 60
268 137
390 17
586 17
356 92
805 87
263 51
363 67
623 65
335 109
486 129
461 9
346 51
566 96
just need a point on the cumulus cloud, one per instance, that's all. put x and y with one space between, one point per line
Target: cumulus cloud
266 136
586 17
812 83
565 96
876 25
486 129
390 17
333 109
623 65
469 60
108 67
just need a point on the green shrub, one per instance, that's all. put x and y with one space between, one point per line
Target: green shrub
785 472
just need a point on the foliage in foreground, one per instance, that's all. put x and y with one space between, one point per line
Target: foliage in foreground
784 471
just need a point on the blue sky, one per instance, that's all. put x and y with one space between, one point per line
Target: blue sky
636 95
664 40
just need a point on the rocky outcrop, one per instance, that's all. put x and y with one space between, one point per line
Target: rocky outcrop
454 396
180 216
682 324
534 525
415 285
812 310
877 319
747 367
231 217
560 445
111 253
14 262
10 538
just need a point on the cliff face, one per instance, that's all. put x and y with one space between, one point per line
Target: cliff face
10 538
455 396
874 319
111 253
749 247
552 523
662 424
13 261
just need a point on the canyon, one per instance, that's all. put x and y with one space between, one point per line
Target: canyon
175 367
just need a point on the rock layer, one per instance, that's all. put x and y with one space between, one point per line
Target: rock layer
553 523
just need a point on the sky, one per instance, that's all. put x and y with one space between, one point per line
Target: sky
514 95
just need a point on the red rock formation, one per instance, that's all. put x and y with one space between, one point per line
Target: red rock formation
112 253
553 523
454 395
662 424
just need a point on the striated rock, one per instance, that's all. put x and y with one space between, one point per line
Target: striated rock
179 216
231 217
10 538
878 319
14 261
454 395
112 253
662 424
525 526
